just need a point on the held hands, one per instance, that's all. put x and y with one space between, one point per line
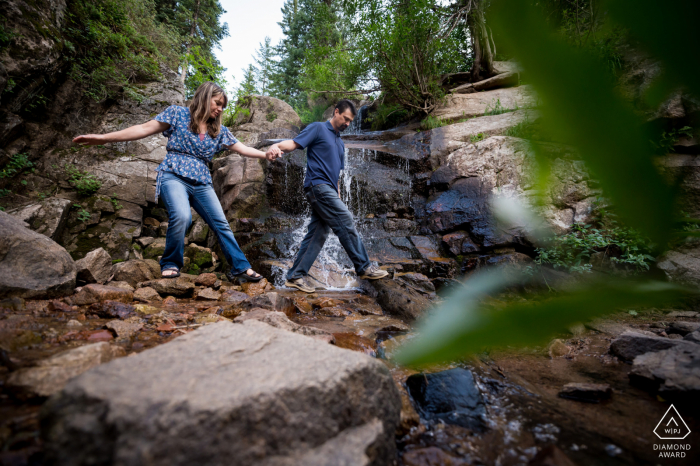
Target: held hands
90 139
273 152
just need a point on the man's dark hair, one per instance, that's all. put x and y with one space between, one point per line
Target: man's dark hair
343 105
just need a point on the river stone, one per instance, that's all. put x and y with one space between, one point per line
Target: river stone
208 294
233 296
111 310
674 372
50 375
631 344
261 395
124 329
271 300
179 286
199 256
682 328
136 271
95 267
32 265
95 293
399 299
146 294
693 337
586 392
281 321
48 217
450 396
205 279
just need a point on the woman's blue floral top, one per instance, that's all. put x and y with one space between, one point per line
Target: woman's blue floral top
188 155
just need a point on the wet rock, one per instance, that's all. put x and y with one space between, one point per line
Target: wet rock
325 302
233 296
208 294
170 301
430 456
302 305
333 311
180 286
281 321
73 324
587 392
47 217
111 310
674 372
418 282
59 306
693 337
95 267
16 304
323 389
94 293
206 279
450 396
254 289
122 285
631 344
398 299
135 271
146 309
271 300
124 329
459 243
682 328
146 294
409 416
32 265
50 375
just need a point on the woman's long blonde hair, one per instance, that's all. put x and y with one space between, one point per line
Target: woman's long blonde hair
200 108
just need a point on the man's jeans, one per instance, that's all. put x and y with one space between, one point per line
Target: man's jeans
177 193
328 213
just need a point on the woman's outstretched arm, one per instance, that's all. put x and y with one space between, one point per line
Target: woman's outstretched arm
246 151
132 133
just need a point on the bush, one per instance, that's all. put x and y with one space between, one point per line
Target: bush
84 183
313 114
17 164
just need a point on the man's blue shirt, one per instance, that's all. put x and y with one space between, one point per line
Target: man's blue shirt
325 154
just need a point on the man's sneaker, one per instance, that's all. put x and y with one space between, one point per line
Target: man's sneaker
373 273
299 284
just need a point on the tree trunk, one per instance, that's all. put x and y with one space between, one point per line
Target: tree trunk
188 46
482 44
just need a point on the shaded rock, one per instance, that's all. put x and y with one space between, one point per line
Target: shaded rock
57 306
418 282
146 294
450 396
155 249
180 286
199 256
111 310
94 293
302 305
631 344
508 79
16 304
335 311
693 337
682 328
95 267
32 265
682 265
459 243
199 231
233 296
51 375
399 299
144 241
281 321
674 372
673 314
48 217
208 294
324 391
136 271
124 329
270 300
587 392
205 279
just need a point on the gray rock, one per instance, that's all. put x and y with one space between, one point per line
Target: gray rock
271 300
281 321
147 294
682 328
124 329
180 286
208 294
693 337
631 344
586 392
122 285
199 231
95 267
48 217
399 299
682 314
136 271
674 372
51 375
31 264
95 293
682 265
457 106
246 391
265 114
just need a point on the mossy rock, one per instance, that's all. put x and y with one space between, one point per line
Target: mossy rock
199 256
155 249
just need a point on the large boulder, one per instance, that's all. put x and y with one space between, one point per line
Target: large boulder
456 106
674 372
631 344
261 395
258 114
399 298
682 265
31 264
48 217
136 271
239 183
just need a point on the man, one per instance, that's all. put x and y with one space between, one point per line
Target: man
325 158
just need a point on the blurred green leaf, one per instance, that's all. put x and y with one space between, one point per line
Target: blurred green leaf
461 326
581 106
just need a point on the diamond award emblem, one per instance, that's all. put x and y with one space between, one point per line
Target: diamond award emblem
671 426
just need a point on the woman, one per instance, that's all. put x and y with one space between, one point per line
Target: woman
194 135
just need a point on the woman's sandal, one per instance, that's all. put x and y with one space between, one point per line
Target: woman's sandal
244 277
175 275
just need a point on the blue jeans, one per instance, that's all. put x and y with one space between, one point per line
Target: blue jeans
328 213
177 194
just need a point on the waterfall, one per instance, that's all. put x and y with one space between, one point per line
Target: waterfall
356 125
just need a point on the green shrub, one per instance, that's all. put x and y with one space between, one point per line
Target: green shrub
495 108
17 164
477 137
669 138
313 114
272 116
386 116
84 183
115 202
524 130
83 215
431 122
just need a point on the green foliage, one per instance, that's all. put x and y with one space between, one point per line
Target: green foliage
315 113
495 108
115 201
17 164
386 116
669 138
524 130
202 67
113 43
83 215
4 192
272 116
431 122
84 183
580 106
265 69
477 137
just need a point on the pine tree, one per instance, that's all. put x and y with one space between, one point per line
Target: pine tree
264 59
247 87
